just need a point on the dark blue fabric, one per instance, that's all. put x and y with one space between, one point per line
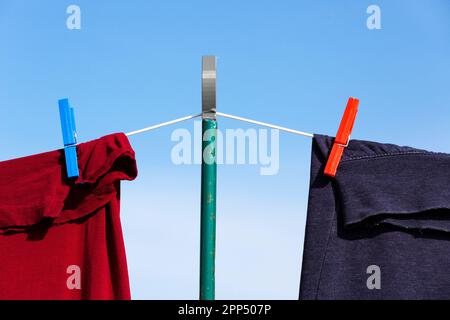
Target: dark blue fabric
388 206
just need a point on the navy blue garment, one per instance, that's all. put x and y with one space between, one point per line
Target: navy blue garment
381 228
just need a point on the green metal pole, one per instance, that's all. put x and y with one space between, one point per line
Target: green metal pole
208 210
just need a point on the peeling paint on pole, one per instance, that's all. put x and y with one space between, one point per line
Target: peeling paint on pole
208 210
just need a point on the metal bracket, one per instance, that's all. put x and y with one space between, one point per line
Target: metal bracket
209 87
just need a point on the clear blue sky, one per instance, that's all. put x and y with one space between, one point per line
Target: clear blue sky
294 63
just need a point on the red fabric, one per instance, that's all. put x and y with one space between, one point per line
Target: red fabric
62 239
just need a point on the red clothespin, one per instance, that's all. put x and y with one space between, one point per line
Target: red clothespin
342 137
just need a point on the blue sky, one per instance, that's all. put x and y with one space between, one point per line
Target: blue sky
293 63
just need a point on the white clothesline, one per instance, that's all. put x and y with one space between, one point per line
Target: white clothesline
264 124
156 126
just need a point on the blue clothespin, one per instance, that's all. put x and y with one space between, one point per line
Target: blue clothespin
69 133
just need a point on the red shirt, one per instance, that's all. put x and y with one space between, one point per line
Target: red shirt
62 239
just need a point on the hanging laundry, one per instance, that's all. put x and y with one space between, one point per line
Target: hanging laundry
62 239
381 228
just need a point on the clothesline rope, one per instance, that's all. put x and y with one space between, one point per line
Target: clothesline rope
156 126
264 124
